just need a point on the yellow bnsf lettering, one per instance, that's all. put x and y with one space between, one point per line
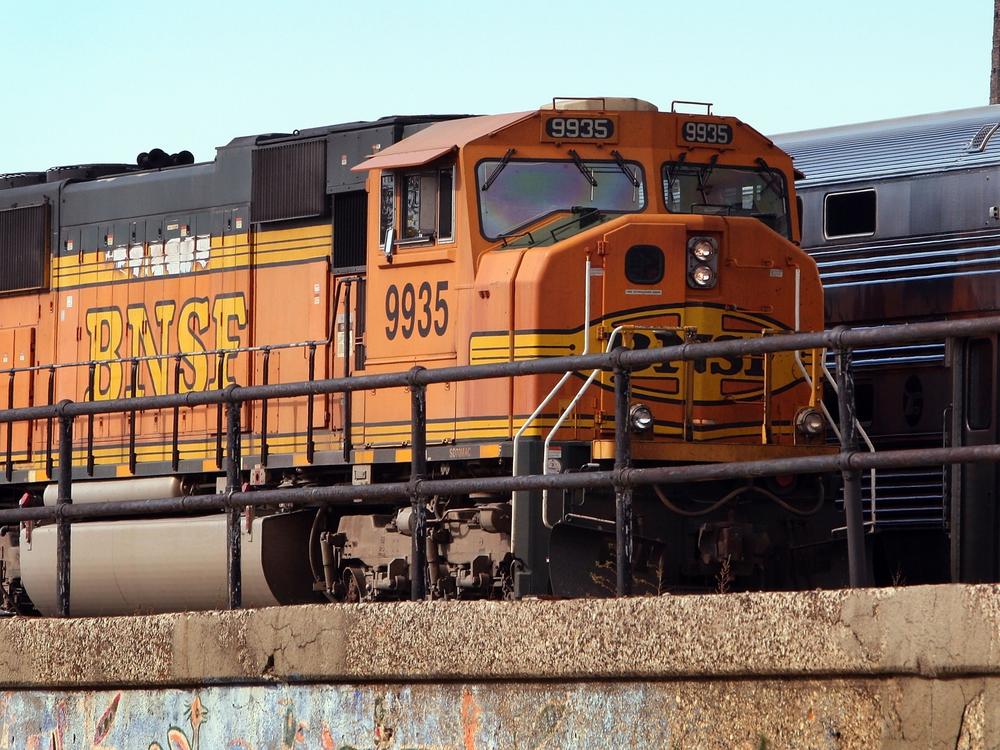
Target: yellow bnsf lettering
194 322
104 327
229 311
159 338
141 343
752 367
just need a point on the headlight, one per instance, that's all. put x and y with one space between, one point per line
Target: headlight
702 249
640 418
810 422
703 276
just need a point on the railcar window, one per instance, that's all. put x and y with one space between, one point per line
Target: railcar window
979 384
727 191
849 214
513 194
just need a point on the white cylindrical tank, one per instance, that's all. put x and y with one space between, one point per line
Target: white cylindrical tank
142 488
169 565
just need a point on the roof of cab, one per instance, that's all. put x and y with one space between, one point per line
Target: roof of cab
437 140
894 148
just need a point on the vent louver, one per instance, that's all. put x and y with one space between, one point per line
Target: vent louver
980 139
24 236
289 181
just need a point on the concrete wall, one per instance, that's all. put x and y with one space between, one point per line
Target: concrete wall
916 667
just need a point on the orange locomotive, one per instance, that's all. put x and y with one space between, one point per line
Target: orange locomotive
374 247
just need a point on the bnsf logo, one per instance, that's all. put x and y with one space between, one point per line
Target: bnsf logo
718 380
192 328
747 367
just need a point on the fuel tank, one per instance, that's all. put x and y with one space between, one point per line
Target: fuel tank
170 565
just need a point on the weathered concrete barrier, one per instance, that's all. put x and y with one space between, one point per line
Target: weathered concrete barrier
912 667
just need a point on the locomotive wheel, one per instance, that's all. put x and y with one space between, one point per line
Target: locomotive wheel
354 585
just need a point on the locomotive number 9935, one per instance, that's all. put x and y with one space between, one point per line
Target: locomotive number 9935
582 128
707 132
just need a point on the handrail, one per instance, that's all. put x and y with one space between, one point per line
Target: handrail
832 381
569 408
622 478
632 359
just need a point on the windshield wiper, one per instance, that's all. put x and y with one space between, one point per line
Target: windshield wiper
672 172
498 169
703 174
582 167
767 174
620 161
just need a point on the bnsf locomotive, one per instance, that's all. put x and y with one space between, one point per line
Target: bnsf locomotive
375 246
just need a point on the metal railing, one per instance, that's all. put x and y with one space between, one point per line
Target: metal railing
622 478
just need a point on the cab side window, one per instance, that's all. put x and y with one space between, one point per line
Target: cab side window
426 205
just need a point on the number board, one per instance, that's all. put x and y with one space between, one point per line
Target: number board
562 127
707 133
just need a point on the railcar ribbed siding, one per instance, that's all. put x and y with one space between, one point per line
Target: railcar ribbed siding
892 148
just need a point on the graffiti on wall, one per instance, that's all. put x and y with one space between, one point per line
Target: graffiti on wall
263 718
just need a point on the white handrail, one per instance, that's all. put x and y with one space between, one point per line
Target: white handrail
562 418
836 390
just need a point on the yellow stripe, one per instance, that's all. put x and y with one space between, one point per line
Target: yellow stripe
271 248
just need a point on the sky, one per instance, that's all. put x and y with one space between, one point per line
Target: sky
102 81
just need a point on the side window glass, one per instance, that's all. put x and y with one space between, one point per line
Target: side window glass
849 214
979 384
427 205
420 192
446 180
387 206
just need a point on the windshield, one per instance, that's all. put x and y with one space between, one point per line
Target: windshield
729 191
513 194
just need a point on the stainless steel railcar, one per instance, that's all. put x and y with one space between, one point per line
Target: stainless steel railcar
903 219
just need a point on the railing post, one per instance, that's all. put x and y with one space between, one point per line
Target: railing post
418 472
623 494
64 497
133 393
91 396
9 464
48 424
218 414
310 407
854 517
175 450
234 551
263 409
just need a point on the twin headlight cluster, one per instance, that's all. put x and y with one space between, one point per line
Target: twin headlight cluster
702 262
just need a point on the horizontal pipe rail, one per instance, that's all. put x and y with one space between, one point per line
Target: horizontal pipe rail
628 359
401 491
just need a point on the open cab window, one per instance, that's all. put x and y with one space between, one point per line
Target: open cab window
424 202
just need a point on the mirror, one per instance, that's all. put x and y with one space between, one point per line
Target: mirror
389 241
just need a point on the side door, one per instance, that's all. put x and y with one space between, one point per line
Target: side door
975 536
410 292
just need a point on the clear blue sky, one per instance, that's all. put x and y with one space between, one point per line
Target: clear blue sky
101 81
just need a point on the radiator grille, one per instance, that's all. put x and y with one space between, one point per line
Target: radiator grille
349 230
24 236
289 181
904 497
